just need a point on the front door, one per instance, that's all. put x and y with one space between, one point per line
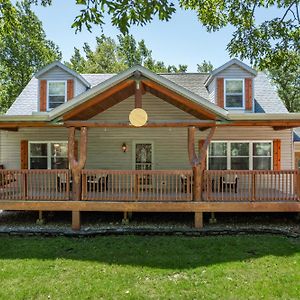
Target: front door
297 160
143 156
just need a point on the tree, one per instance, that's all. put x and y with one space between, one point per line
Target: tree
77 61
264 43
112 57
24 51
287 80
205 67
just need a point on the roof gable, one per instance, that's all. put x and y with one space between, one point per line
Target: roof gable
58 64
230 63
121 86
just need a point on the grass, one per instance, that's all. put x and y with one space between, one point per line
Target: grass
133 267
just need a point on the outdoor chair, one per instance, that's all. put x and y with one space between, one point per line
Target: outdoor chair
229 182
97 182
225 183
62 182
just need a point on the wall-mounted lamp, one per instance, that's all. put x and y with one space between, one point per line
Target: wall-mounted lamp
124 147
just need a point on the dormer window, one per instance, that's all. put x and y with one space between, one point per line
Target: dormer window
234 93
57 93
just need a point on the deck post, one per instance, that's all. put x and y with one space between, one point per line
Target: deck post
197 186
77 164
198 162
76 220
198 220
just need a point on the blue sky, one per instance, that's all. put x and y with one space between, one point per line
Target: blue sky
181 40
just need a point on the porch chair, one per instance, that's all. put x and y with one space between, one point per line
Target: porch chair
97 182
184 184
225 183
62 182
229 182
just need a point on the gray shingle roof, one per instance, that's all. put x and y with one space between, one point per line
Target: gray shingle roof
266 98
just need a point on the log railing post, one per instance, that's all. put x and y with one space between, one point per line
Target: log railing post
76 164
198 163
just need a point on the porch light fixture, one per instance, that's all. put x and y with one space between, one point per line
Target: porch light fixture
124 147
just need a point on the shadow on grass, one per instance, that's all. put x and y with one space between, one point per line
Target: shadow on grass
154 252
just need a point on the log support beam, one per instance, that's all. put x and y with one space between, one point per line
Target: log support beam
76 164
198 162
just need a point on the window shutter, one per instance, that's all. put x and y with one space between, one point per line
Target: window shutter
70 89
277 155
248 94
220 92
24 154
43 95
200 145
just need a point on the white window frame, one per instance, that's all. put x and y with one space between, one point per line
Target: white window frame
51 81
48 151
250 151
243 86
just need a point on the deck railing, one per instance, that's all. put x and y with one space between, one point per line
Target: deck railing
141 185
253 186
151 185
41 185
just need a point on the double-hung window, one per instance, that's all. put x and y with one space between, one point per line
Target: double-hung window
234 93
240 155
56 93
217 159
48 155
262 156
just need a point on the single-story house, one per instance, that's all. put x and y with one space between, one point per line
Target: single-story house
140 141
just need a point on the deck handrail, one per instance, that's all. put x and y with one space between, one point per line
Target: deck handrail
251 185
137 185
44 185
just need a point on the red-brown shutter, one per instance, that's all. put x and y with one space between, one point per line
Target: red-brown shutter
248 93
43 95
24 154
70 89
220 92
200 145
277 155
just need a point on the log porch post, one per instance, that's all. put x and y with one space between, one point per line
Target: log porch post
198 166
76 165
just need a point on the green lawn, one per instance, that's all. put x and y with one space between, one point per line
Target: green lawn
135 267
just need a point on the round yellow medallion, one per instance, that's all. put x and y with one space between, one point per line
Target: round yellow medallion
138 117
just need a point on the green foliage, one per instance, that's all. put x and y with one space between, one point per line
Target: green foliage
24 50
112 57
205 67
287 80
263 43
